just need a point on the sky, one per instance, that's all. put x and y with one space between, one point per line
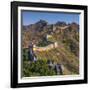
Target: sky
31 17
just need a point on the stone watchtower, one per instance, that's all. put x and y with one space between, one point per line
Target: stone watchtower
32 56
53 28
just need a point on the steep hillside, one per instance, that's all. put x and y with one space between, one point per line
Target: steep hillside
66 35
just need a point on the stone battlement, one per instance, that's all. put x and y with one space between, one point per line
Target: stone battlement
48 47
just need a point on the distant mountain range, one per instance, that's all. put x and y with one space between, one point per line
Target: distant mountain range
43 23
39 30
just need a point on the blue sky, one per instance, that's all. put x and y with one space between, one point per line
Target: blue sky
30 17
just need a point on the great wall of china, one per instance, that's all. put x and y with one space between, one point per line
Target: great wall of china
48 47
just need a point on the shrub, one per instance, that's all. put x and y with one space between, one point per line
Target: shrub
39 68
